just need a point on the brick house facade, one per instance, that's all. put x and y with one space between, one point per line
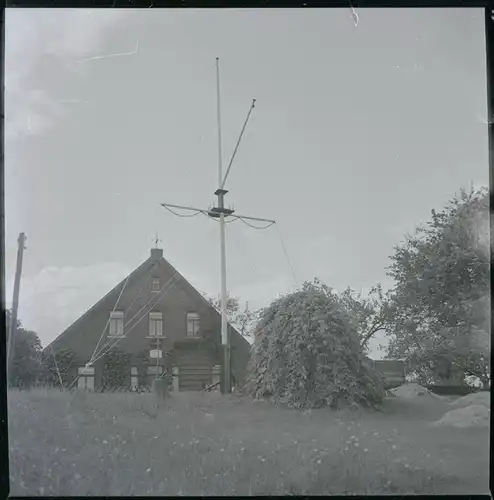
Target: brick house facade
154 309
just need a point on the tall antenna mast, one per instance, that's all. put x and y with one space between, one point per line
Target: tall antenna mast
218 117
221 213
220 209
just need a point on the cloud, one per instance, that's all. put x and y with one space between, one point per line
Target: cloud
65 35
54 298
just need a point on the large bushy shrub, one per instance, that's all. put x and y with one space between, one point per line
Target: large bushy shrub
307 354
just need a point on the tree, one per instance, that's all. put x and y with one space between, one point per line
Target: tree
307 353
439 313
26 364
243 318
370 314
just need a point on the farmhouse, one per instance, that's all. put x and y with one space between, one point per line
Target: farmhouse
158 323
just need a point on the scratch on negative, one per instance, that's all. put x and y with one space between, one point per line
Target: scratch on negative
135 51
354 15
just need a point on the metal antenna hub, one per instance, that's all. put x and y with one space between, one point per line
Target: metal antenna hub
220 209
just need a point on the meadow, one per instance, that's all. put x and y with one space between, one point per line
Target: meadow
89 444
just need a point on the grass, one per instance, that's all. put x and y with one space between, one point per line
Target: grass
86 444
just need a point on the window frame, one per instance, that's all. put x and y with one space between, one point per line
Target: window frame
119 317
153 322
194 321
153 282
85 375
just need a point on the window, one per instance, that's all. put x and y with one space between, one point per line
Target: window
86 378
155 285
116 324
155 324
134 379
193 324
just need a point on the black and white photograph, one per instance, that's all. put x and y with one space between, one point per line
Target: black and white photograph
247 251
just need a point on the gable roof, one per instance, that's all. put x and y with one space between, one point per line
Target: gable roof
201 297
156 257
147 264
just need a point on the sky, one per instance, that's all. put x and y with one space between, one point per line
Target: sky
363 124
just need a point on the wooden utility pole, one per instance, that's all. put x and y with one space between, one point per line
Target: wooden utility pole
221 212
15 304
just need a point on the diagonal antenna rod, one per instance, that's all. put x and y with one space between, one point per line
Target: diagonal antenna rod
253 105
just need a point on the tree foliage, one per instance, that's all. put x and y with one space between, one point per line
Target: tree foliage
242 317
57 367
439 313
307 353
26 363
115 369
369 315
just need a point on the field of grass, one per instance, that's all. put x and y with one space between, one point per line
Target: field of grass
205 444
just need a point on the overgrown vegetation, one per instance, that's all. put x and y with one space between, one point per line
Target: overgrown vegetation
307 353
116 370
57 367
27 366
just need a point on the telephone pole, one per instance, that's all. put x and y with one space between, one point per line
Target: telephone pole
221 213
15 304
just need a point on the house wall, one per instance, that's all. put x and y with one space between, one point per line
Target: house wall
174 303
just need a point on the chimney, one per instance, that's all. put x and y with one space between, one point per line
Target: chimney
156 253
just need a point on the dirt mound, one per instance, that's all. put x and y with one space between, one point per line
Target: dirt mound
410 390
470 416
482 398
